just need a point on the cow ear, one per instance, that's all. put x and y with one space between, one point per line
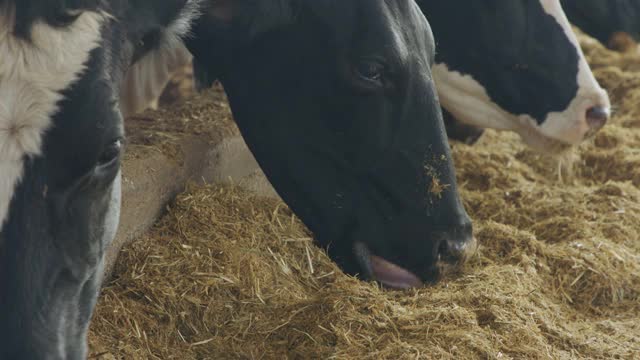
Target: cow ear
222 10
254 16
147 78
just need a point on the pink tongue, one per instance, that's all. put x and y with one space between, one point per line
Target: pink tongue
392 275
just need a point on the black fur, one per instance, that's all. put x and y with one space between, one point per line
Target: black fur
54 12
513 48
258 16
602 18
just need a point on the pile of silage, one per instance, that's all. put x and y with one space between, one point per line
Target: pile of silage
227 275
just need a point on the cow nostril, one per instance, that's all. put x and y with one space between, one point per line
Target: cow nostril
597 116
459 251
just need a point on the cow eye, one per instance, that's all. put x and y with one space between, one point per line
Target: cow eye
371 71
110 154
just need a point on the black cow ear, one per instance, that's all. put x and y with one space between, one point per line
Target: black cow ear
222 10
254 16
267 15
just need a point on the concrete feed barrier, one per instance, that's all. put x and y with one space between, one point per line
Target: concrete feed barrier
156 170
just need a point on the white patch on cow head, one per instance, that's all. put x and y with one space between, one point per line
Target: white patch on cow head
571 125
112 218
468 101
32 76
148 77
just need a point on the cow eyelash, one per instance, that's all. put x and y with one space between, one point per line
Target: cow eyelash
371 70
371 73
111 153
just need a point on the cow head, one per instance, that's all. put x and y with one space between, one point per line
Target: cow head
337 103
515 65
61 139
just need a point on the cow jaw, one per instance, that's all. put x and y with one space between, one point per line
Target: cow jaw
468 101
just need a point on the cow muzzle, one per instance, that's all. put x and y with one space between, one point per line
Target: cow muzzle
456 251
596 117
454 248
585 116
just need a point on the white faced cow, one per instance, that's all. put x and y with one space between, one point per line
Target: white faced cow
515 65
335 99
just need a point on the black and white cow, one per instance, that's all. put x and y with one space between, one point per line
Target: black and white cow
328 97
602 19
335 98
515 65
61 135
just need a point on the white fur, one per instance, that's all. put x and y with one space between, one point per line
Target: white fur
468 101
112 218
181 27
147 78
571 125
32 76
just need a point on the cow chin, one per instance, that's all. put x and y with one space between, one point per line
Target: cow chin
476 109
573 125
539 138
393 276
539 141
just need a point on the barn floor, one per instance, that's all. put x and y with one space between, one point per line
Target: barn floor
230 275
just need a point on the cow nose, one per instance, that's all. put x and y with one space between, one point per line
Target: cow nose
597 117
458 245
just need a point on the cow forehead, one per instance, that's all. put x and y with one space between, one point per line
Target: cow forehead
33 74
587 82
